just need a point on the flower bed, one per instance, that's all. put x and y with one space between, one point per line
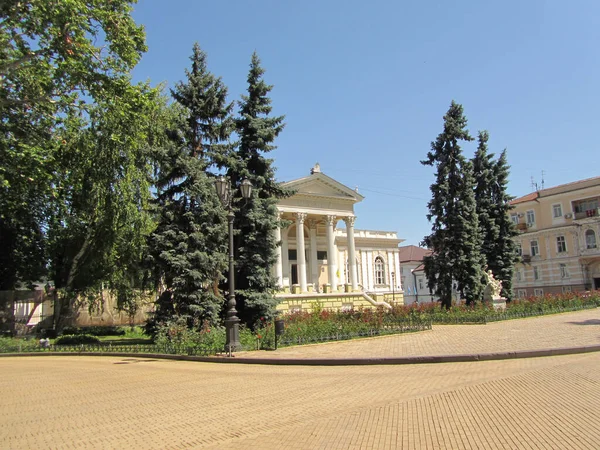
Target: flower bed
323 325
482 313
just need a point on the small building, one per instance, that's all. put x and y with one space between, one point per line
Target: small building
558 239
319 263
413 275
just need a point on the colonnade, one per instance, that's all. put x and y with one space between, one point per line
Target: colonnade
301 219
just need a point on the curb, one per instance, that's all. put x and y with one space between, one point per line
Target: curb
338 361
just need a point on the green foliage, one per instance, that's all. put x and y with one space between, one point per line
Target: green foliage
55 56
95 331
493 206
176 336
454 238
16 345
188 246
76 339
257 218
323 325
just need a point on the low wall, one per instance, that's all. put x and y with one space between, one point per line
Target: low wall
336 301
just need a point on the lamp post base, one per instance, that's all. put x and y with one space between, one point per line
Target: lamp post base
232 335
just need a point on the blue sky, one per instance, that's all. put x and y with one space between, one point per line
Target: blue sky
364 86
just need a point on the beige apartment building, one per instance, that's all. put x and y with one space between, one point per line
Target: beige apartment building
558 239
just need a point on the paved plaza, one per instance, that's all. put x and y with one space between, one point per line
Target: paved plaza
115 402
576 329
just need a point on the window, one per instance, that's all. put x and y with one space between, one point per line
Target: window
520 275
587 205
534 248
590 239
536 273
421 285
521 293
519 249
566 289
514 218
292 255
561 244
538 292
564 271
557 211
530 217
379 271
321 255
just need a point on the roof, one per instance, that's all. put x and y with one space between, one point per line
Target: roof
413 253
560 189
316 176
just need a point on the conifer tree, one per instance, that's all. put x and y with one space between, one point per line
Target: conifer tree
257 218
454 238
503 254
189 247
483 172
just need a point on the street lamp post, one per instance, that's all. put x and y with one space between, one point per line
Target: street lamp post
393 287
232 321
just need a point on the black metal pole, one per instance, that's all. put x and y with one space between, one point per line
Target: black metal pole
232 322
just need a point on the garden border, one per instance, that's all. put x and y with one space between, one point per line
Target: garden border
408 360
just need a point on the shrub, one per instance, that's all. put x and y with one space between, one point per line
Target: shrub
94 331
13 345
76 339
175 337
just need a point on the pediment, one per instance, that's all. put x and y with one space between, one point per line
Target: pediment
321 185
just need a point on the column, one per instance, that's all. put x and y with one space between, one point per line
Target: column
285 260
279 264
351 251
331 269
314 265
300 251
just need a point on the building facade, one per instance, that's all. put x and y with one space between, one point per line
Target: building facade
558 239
321 263
413 277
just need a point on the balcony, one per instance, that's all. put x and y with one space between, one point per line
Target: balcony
587 213
526 259
522 226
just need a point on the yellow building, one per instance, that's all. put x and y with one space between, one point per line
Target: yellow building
558 239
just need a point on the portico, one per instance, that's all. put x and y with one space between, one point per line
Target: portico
318 258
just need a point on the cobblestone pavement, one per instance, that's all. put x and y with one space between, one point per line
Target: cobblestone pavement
576 329
109 402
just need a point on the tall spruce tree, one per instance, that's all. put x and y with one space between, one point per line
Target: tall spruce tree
189 246
483 172
503 254
257 218
454 237
493 206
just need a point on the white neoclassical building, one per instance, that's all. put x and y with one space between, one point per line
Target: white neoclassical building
334 267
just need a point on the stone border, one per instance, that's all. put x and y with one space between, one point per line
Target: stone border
337 361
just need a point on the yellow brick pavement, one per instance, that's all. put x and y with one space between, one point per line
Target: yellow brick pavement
121 403
576 329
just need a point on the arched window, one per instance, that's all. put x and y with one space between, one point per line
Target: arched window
590 239
379 271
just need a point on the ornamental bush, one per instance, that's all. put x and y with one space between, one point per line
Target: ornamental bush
76 339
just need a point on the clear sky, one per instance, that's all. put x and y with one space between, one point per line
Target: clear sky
364 85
